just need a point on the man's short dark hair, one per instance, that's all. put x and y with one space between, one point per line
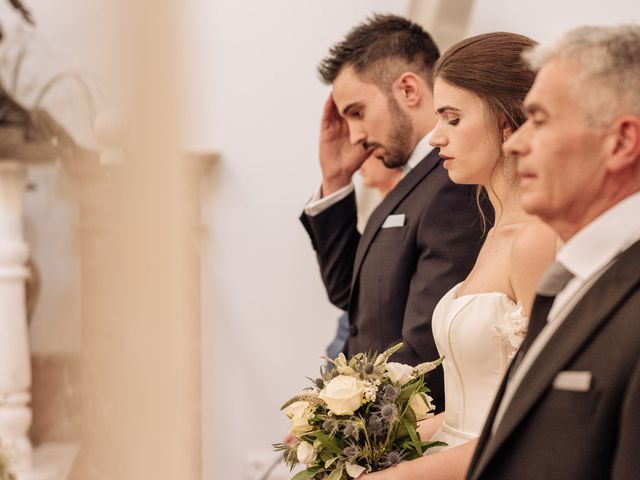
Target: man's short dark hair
380 49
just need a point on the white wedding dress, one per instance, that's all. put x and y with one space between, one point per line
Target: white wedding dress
478 334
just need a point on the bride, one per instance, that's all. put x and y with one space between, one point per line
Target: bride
480 84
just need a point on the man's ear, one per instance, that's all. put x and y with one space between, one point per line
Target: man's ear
409 88
622 145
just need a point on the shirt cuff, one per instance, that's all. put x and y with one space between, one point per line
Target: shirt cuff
318 204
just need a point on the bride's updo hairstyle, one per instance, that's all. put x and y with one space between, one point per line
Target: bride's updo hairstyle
491 67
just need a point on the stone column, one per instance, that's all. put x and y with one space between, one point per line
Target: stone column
15 365
15 368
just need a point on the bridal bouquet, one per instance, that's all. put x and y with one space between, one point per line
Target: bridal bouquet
360 416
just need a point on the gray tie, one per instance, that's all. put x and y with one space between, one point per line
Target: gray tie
553 281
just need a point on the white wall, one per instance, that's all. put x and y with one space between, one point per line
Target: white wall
256 99
545 19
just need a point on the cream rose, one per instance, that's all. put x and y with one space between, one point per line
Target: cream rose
343 395
306 453
354 470
399 373
299 413
421 406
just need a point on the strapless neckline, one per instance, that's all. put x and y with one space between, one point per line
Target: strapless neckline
455 296
478 334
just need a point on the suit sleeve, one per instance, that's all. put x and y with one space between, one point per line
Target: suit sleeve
334 236
626 464
449 238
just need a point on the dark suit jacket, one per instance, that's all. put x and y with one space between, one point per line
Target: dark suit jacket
547 433
390 279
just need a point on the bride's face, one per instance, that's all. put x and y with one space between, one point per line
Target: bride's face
467 134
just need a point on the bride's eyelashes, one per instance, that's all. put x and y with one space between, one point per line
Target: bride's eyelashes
536 120
454 122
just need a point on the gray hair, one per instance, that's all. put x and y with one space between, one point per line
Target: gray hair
608 59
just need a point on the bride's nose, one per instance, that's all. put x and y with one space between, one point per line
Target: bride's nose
438 139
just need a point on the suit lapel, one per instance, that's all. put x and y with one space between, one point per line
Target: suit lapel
388 205
587 316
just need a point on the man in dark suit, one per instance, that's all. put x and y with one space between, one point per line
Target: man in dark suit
425 235
569 406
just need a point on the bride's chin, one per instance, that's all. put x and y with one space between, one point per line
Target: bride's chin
459 179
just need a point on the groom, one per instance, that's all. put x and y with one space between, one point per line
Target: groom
569 407
425 235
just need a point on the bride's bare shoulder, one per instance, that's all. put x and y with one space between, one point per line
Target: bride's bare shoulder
532 251
534 236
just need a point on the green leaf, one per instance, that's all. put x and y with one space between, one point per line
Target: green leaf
307 474
325 455
328 443
427 445
330 462
407 391
409 451
402 431
336 474
410 416
415 438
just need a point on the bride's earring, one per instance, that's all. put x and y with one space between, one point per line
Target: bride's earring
505 159
505 166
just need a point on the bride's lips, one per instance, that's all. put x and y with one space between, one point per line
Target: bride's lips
447 160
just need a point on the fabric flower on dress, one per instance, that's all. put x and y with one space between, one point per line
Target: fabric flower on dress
512 326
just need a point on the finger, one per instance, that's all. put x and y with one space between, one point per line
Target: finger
333 115
334 108
328 112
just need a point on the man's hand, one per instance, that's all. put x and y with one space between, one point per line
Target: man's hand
339 159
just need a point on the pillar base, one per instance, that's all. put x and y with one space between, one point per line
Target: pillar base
50 461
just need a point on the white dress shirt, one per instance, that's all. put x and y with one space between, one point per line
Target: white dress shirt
587 255
318 203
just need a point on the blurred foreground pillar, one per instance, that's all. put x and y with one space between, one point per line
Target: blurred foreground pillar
140 275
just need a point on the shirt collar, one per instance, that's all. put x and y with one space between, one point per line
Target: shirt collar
597 244
421 150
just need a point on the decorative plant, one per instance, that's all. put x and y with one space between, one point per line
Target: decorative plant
29 134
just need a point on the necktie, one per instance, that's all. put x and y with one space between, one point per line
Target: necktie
552 282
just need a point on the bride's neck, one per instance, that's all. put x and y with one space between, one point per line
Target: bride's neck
505 202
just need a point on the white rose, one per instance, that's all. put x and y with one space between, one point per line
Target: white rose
421 406
354 470
299 414
399 373
343 395
306 453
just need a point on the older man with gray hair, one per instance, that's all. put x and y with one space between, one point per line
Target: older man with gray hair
569 406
